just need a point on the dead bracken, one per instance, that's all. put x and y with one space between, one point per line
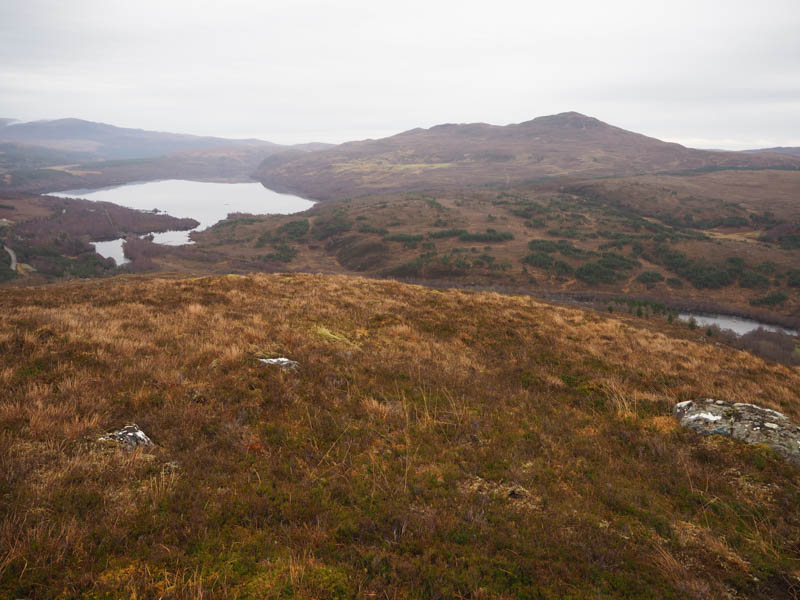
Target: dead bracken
471 440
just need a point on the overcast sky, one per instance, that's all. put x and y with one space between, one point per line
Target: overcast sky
712 74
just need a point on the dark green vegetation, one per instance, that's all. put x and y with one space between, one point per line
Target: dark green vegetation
772 299
6 274
57 261
590 236
431 445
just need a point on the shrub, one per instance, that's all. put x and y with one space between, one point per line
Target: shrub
6 273
736 264
793 278
700 274
264 239
410 269
539 260
566 233
562 268
542 246
489 236
294 230
767 268
594 273
772 299
447 233
567 249
283 253
707 276
617 262
650 278
408 240
790 242
753 280
373 229
536 223
330 226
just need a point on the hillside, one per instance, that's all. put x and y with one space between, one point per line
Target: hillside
730 238
63 154
108 142
430 444
779 150
448 156
233 163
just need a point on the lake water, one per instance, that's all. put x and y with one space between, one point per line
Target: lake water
738 325
206 202
112 249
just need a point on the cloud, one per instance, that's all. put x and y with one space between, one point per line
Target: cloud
288 71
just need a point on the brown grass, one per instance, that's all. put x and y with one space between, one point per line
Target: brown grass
431 444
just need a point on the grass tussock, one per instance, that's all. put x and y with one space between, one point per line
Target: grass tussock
431 445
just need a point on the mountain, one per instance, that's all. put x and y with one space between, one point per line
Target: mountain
46 156
778 150
451 155
103 141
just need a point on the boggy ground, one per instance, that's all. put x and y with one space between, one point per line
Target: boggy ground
431 445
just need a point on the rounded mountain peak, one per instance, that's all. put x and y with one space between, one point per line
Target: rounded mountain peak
571 120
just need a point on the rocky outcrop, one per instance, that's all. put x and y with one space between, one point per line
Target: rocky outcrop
129 437
745 422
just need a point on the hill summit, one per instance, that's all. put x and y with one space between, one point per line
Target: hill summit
451 155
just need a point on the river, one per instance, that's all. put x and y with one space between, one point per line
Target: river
738 325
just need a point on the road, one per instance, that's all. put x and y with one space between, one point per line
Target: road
13 256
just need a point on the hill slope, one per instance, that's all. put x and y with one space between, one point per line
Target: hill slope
727 237
461 155
430 445
779 150
108 142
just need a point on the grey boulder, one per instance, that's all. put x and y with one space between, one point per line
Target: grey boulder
745 422
283 363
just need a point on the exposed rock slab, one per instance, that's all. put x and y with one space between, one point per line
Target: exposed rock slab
745 422
129 437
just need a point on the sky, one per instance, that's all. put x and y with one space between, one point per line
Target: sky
708 74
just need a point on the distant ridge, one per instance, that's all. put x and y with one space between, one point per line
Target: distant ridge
457 155
787 150
102 141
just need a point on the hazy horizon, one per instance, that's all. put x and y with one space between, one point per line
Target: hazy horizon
696 73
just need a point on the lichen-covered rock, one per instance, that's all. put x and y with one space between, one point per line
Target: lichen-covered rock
746 422
129 437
